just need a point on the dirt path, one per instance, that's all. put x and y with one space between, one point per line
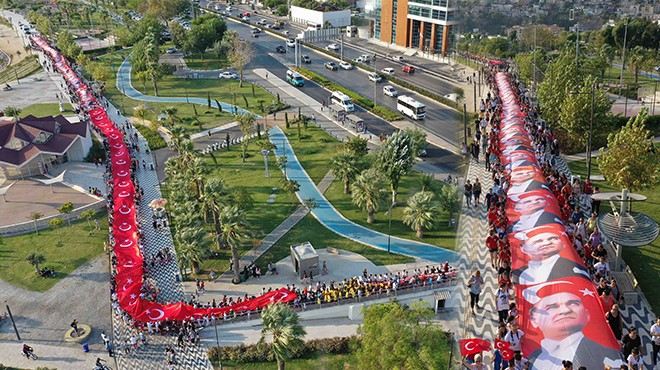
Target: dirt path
10 43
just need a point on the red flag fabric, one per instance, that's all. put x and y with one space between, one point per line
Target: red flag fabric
507 354
473 345
129 276
500 344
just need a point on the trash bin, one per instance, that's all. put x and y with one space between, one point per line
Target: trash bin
85 347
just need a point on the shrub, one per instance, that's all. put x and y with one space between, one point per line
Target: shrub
96 152
262 352
386 114
153 138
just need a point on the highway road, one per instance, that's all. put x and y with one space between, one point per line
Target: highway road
441 120
266 57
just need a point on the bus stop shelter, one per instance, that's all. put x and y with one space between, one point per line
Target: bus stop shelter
356 122
304 259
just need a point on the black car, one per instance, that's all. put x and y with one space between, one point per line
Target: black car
280 49
306 59
331 66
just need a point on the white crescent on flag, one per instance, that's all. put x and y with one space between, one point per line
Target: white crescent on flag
126 243
469 345
124 227
160 315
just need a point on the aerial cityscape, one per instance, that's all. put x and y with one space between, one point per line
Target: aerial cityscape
305 184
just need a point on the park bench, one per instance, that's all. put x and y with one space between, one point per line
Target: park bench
332 250
628 285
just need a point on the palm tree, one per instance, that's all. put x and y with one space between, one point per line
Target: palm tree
427 183
345 166
310 204
212 203
235 230
422 212
395 158
291 187
35 260
281 323
192 246
368 193
141 112
450 198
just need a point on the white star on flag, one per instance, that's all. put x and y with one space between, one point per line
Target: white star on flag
587 292
133 296
129 281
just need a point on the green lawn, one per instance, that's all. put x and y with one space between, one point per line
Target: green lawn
443 236
309 229
644 261
223 90
313 151
612 75
206 61
46 109
78 247
322 362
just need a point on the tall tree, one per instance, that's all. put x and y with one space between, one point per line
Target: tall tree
246 124
640 59
345 166
240 52
631 161
56 223
449 198
280 322
235 230
575 115
368 193
422 212
395 336
213 200
357 146
395 159
35 216
560 77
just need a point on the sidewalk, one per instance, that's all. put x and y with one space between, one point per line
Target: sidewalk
594 153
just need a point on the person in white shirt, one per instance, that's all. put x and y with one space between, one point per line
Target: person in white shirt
514 336
603 268
655 340
635 361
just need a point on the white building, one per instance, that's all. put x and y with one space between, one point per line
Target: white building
318 16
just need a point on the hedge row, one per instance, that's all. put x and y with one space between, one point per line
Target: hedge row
262 352
368 104
154 139
652 123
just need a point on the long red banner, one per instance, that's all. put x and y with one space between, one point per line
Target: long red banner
129 271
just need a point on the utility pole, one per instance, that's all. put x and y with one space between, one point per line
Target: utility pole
655 92
534 78
623 61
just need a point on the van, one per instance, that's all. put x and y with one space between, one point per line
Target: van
342 100
294 78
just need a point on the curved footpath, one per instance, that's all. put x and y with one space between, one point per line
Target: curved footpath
325 212
333 220
124 85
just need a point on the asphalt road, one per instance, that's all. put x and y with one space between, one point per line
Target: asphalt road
266 57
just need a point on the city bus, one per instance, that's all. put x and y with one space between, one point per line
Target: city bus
411 107
294 78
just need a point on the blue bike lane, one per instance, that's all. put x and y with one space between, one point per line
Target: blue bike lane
327 215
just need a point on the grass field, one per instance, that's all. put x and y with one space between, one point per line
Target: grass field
207 61
46 109
227 91
644 261
78 247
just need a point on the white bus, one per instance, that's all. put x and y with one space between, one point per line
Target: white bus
411 107
342 100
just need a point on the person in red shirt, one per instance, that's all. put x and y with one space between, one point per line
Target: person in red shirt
491 244
588 187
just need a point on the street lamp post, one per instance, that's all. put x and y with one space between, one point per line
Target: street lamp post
591 126
265 153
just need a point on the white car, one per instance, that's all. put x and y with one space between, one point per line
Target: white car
228 76
398 58
262 22
389 90
387 71
247 19
285 33
453 97
332 47
291 43
375 77
346 65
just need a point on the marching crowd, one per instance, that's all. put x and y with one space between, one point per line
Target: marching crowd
578 213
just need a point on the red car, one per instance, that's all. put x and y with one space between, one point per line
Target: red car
408 69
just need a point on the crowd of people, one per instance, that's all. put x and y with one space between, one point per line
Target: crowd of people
577 213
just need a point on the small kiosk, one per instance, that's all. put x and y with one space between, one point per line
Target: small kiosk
304 259
356 122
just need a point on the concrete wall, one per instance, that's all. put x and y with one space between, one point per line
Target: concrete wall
42 223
